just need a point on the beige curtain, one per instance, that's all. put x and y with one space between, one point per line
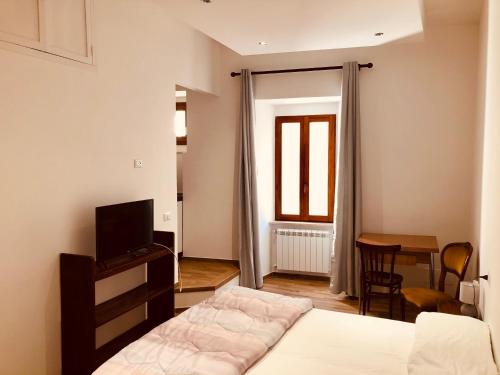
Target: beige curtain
347 215
251 273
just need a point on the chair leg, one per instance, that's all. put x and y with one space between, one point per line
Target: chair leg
391 292
361 296
369 298
365 302
364 299
403 308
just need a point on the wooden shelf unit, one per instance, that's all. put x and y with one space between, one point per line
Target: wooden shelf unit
80 316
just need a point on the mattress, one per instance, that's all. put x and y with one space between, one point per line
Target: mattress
326 342
320 342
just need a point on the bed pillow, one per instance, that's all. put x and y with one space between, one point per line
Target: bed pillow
451 345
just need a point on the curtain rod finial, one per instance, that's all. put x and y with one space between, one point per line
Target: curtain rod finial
369 65
234 74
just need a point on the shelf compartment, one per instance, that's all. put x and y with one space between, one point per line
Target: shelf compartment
128 261
106 351
113 308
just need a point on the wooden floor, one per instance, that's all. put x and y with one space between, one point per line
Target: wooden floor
202 274
206 274
318 290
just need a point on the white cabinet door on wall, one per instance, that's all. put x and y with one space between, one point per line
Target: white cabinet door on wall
20 22
68 28
58 27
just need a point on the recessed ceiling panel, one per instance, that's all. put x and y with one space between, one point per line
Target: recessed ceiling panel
271 26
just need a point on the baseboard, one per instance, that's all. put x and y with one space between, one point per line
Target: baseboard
296 276
232 261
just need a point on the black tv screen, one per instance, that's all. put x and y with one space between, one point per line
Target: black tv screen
123 228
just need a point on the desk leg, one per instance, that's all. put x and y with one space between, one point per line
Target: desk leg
431 271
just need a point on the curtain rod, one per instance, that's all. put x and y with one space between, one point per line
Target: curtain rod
337 67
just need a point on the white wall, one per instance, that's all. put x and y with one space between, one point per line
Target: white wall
490 205
478 139
264 143
304 109
418 120
69 134
208 175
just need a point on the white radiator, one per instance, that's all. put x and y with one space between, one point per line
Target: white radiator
303 250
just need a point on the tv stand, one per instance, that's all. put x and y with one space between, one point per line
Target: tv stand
142 251
130 259
80 316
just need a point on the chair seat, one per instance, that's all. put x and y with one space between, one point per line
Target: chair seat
383 278
425 298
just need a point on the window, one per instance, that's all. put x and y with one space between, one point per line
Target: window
305 168
181 123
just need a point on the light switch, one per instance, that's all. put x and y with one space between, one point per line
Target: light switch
138 163
167 216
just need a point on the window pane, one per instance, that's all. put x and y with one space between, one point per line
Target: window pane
180 123
290 168
318 168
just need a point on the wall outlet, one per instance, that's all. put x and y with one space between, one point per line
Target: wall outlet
138 163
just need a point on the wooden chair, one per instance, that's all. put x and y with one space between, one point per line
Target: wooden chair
455 258
377 269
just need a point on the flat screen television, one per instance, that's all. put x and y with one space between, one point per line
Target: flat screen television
123 228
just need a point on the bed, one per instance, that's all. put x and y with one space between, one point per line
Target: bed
339 343
257 333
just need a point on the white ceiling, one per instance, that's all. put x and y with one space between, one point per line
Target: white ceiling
301 25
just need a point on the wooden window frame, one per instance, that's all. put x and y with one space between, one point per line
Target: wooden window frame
304 167
182 106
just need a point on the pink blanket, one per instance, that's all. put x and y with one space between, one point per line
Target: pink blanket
223 335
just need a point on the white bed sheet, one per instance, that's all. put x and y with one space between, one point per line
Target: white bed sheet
331 343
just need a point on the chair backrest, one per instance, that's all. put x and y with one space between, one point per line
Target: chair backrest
377 259
455 258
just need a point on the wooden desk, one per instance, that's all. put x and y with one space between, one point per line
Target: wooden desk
414 249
